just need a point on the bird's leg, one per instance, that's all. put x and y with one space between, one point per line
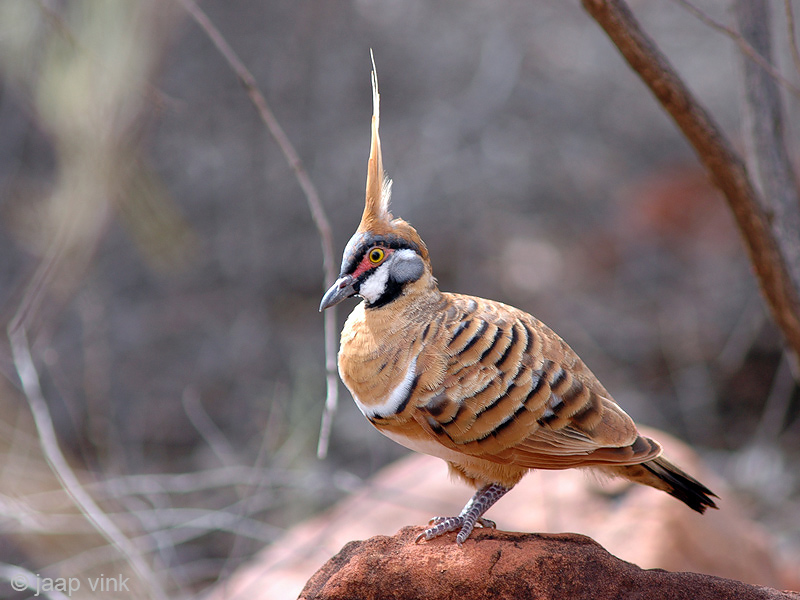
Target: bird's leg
471 515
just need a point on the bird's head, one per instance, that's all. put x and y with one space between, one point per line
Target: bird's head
385 257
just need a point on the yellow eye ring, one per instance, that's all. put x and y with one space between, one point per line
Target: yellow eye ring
376 255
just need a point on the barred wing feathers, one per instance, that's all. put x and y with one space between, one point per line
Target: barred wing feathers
513 392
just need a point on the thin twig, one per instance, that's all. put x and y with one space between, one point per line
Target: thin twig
31 387
743 44
186 531
206 427
312 197
194 481
792 35
256 485
176 519
726 168
331 384
29 378
777 408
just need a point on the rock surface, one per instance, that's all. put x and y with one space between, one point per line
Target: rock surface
635 523
498 565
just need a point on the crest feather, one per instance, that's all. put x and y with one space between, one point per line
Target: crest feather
379 186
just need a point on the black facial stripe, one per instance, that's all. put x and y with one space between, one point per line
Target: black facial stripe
358 247
392 291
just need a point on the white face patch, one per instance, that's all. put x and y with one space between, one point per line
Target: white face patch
404 254
402 265
396 397
374 286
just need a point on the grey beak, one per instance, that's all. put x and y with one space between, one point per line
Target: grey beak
341 289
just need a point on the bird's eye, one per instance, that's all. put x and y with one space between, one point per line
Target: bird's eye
376 255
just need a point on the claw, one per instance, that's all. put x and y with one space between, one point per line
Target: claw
469 517
440 526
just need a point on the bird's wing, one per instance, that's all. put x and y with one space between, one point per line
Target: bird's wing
514 392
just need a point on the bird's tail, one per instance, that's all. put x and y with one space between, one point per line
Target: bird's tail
663 475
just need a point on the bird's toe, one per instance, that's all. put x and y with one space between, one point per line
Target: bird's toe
440 526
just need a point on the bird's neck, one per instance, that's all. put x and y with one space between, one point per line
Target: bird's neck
413 308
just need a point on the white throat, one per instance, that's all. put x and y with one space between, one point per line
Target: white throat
375 285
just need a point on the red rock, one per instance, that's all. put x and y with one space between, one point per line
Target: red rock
635 523
499 565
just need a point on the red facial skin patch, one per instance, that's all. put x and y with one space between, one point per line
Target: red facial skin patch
365 264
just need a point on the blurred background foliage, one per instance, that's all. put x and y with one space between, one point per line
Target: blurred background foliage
170 271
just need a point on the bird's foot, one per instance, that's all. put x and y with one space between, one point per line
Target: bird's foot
441 525
469 517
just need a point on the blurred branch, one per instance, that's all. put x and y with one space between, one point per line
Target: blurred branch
174 526
176 520
778 405
725 167
312 197
29 378
792 37
86 84
195 481
745 44
206 427
59 24
765 142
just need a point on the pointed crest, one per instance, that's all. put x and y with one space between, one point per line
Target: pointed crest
379 187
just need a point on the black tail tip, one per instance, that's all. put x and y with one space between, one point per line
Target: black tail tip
682 486
697 499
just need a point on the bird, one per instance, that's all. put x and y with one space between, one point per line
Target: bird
484 386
